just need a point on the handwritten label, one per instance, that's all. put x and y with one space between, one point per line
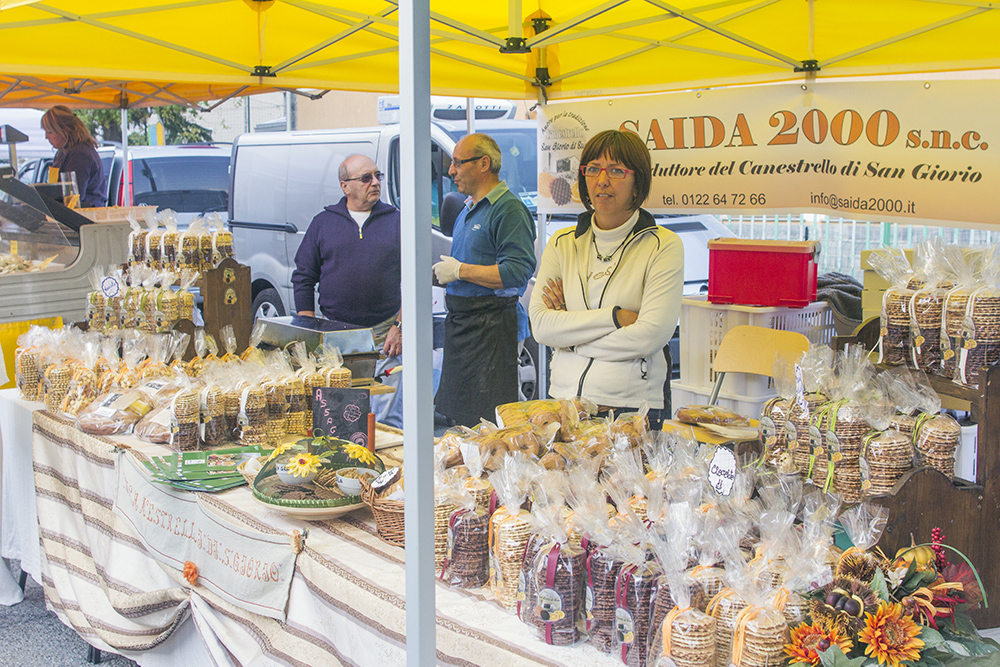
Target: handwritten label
341 413
722 471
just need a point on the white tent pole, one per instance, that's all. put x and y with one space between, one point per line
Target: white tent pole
124 124
418 409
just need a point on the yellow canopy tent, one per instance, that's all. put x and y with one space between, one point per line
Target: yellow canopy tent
88 52
92 52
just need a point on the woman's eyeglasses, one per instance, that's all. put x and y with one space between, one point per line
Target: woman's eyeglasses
593 171
367 178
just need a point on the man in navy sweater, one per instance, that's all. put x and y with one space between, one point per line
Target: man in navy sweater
351 251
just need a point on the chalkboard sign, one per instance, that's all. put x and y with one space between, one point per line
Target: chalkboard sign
341 413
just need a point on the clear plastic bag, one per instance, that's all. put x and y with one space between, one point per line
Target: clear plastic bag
467 559
936 438
893 266
114 413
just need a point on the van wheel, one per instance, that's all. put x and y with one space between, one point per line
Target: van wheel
527 371
267 303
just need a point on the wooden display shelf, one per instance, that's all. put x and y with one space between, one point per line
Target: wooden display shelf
968 512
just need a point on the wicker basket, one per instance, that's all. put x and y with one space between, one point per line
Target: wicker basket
247 475
388 515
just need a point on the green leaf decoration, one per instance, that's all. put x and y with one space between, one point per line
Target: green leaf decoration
879 585
958 648
932 638
834 657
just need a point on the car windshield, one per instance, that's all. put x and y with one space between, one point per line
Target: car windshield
186 184
519 165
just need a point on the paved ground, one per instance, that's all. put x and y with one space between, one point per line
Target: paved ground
32 636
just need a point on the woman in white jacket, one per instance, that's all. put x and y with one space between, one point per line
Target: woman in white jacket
610 288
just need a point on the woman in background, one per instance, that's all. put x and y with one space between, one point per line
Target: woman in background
76 152
608 292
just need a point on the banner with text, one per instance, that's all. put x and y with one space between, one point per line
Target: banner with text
910 152
249 569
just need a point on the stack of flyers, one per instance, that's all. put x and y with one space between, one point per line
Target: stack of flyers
201 471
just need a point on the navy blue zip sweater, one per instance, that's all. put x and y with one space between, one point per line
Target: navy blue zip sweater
358 273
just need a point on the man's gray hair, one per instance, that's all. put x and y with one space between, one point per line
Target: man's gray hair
483 144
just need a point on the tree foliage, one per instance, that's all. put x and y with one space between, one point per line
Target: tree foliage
179 124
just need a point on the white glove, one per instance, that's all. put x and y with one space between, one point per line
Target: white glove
446 271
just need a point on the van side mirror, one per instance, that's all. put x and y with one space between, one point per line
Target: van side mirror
451 206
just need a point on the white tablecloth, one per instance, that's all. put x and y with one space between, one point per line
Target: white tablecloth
18 518
346 603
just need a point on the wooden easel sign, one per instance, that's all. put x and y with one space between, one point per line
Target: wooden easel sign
342 413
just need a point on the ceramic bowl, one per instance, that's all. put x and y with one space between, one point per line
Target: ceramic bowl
352 487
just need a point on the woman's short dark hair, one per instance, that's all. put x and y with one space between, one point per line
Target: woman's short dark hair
61 120
626 148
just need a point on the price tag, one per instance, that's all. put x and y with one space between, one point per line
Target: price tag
722 471
13 248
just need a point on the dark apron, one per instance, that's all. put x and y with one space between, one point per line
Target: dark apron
479 370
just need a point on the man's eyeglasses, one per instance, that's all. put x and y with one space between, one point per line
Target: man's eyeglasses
593 171
367 178
457 162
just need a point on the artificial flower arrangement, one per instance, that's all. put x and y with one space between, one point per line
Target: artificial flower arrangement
910 610
303 473
306 456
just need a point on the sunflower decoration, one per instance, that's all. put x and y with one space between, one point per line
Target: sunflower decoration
359 453
279 450
304 464
841 605
890 636
808 641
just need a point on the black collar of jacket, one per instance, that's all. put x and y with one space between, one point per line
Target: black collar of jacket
644 222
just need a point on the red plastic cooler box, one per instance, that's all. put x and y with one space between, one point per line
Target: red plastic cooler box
762 273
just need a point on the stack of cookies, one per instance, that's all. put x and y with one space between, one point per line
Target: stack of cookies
936 440
724 608
337 376
95 311
710 581
691 641
798 436
896 325
953 326
482 490
298 418
276 392
926 307
885 457
771 426
903 423
601 576
509 534
849 431
765 634
57 377
185 409
468 556
252 416
984 347
213 416
635 591
26 373
559 607
442 513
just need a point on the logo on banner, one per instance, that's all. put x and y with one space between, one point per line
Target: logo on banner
562 139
